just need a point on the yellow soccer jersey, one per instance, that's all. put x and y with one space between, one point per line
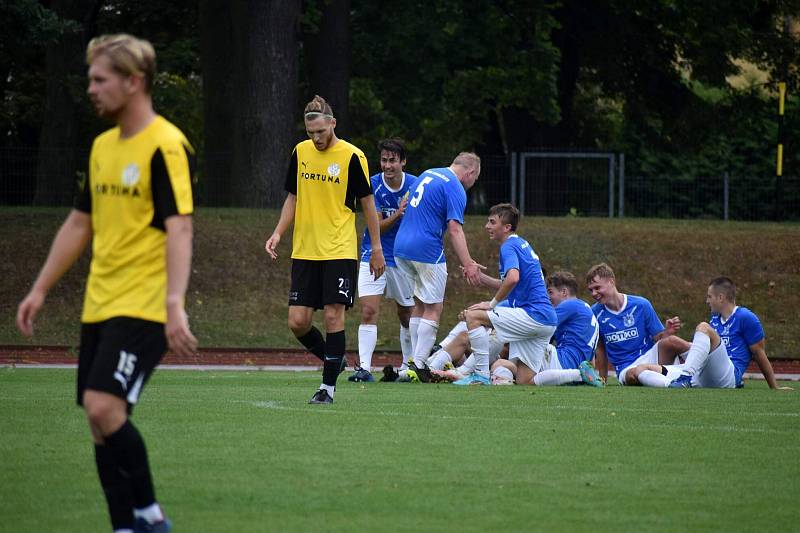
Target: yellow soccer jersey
134 184
327 185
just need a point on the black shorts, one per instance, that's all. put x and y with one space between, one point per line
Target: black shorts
318 283
118 356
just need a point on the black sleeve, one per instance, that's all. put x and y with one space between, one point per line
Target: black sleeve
164 205
83 199
357 181
291 175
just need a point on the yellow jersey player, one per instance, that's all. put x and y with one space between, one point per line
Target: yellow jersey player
326 176
135 208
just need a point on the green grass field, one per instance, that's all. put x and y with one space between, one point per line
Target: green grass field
244 452
237 296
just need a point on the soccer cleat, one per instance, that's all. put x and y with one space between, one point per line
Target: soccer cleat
684 381
418 375
474 379
361 374
389 374
143 526
589 375
321 396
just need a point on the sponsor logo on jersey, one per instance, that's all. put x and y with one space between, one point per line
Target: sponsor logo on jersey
621 336
112 189
319 177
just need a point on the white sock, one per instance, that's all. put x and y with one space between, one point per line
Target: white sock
439 360
413 328
557 377
649 378
479 341
458 328
697 356
152 513
468 366
126 530
405 345
367 339
330 388
426 338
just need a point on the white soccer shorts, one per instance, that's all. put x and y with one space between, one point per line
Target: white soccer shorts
526 338
394 284
650 357
428 279
718 373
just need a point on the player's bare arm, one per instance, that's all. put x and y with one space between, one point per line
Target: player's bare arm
377 263
285 220
179 265
601 360
759 353
389 222
505 288
68 244
471 268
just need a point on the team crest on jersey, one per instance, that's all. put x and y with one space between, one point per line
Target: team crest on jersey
130 175
628 319
334 169
726 330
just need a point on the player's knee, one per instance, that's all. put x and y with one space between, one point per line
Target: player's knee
334 318
299 325
473 319
404 315
369 313
704 327
99 411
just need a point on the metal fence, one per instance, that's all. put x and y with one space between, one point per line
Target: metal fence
540 183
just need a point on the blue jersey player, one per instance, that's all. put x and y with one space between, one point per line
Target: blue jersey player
435 208
631 333
570 360
526 320
722 348
390 189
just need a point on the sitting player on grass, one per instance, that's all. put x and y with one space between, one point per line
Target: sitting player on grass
721 349
527 319
631 333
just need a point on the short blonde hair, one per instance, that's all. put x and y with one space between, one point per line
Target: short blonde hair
602 271
468 160
129 55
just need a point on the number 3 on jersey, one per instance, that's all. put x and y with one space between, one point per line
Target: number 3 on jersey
420 190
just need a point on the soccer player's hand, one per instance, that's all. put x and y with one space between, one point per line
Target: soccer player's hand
377 264
480 306
272 243
179 338
401 207
27 311
673 325
473 273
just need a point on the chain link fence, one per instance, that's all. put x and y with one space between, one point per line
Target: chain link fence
540 183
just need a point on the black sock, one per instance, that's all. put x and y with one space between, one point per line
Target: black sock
334 353
128 449
116 487
314 342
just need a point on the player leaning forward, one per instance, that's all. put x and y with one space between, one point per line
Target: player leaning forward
326 175
525 318
136 209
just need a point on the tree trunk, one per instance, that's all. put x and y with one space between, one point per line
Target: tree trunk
250 88
217 62
59 160
329 61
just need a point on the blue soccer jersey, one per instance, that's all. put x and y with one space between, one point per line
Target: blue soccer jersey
387 202
437 198
576 334
628 333
529 293
739 332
